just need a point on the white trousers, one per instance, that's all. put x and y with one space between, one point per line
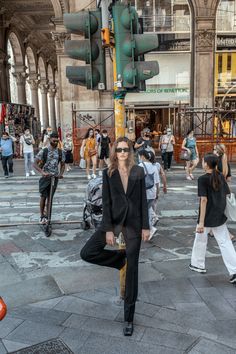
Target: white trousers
225 244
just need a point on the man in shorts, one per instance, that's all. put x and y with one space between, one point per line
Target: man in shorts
47 164
104 146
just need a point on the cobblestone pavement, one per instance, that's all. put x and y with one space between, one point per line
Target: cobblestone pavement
51 293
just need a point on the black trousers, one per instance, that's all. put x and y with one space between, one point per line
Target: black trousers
7 162
167 159
94 252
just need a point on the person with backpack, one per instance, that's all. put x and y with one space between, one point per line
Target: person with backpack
104 146
152 181
27 150
212 190
47 164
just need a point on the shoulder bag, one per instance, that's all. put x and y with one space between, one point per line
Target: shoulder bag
149 178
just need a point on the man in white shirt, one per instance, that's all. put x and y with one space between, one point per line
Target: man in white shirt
27 149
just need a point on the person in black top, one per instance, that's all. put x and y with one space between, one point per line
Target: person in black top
212 190
104 146
144 141
125 210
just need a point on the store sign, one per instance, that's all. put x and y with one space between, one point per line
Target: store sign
168 90
224 42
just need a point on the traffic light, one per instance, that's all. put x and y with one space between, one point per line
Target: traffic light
130 45
90 49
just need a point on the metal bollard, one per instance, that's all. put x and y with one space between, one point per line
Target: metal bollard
121 242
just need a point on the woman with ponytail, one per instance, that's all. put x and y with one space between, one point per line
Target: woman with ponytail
222 165
212 190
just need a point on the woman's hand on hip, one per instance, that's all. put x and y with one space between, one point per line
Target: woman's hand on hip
145 235
110 238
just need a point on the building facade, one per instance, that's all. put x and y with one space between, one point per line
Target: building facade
196 55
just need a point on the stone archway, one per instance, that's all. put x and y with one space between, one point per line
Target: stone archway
17 69
60 7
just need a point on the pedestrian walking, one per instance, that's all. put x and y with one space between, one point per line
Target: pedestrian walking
124 201
68 149
104 146
224 167
163 180
6 149
41 144
144 141
97 134
166 146
190 144
27 150
49 162
152 182
46 140
212 190
89 152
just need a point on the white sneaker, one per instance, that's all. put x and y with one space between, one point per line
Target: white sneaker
32 173
27 175
152 232
67 170
93 175
100 173
89 177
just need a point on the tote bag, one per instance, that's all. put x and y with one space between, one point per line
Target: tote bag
230 210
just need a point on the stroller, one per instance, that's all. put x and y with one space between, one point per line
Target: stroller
92 213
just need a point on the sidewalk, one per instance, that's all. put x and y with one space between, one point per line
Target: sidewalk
55 298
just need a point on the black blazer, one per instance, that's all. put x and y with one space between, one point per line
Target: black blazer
122 209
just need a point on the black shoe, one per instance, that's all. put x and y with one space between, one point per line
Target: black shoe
128 329
233 279
196 269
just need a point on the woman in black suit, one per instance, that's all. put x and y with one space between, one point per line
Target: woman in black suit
124 209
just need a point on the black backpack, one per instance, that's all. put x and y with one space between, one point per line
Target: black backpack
149 178
45 157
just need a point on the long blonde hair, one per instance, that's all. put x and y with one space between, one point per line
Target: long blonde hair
113 158
221 151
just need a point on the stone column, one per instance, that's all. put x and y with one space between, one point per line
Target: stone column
44 92
33 82
204 62
20 75
57 103
52 93
4 82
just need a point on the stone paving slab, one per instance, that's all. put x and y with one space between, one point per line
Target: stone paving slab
33 332
97 344
208 346
28 291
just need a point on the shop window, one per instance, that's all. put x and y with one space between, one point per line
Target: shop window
226 16
164 15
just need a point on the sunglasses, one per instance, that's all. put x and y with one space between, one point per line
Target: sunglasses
122 149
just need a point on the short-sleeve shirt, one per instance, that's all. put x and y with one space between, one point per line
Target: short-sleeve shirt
216 200
6 146
166 143
27 148
152 169
51 165
147 143
104 141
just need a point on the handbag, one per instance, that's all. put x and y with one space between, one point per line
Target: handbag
184 155
92 152
230 210
82 163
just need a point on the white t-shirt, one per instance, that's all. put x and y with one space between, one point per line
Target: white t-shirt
167 142
152 169
26 148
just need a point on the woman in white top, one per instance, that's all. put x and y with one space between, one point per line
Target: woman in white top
166 145
152 181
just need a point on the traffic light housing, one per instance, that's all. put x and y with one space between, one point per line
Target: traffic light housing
130 45
89 50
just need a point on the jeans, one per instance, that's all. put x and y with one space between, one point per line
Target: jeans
29 160
227 250
151 211
167 159
7 163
